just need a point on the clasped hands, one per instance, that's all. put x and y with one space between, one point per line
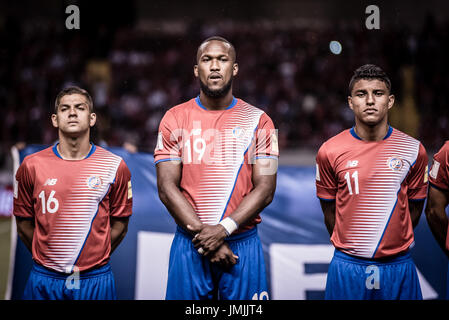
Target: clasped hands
209 241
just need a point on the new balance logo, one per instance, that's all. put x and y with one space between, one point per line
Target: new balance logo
352 163
50 182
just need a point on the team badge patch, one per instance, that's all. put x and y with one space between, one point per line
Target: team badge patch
160 142
434 171
237 132
274 142
94 182
395 164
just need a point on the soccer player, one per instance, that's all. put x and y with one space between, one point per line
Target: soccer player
372 182
438 198
72 204
216 160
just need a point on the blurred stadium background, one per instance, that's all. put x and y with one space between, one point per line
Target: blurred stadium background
136 59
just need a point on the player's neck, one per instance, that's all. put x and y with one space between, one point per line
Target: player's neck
73 148
216 103
371 133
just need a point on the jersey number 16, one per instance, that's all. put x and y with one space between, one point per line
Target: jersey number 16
51 205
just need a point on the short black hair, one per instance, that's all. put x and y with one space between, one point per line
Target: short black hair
74 90
217 38
369 72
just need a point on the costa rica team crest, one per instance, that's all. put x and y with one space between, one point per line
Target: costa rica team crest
395 163
94 182
238 132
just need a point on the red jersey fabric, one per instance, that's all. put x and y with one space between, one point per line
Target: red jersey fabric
71 202
217 150
439 172
372 182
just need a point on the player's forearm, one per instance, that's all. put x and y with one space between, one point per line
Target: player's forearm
180 209
209 238
416 208
119 228
438 224
329 210
25 230
329 221
253 203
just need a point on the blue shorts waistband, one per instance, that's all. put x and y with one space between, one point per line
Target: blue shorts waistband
235 237
398 258
60 275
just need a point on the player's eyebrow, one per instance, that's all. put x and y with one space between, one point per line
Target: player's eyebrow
76 105
220 55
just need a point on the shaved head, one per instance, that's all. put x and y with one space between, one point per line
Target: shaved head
203 44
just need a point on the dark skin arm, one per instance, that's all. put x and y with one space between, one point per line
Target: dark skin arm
168 182
328 208
416 207
119 228
25 230
168 185
437 201
264 185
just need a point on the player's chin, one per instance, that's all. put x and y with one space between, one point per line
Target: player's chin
215 87
372 120
73 131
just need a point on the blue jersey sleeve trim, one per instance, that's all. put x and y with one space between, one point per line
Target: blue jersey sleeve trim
437 187
171 159
267 157
417 200
324 199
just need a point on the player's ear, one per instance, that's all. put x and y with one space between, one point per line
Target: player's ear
195 70
54 120
350 103
93 119
235 69
390 101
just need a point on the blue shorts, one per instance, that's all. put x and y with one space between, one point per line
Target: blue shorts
45 284
353 278
193 277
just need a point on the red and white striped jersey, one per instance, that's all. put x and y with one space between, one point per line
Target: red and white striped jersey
439 173
71 202
217 149
372 182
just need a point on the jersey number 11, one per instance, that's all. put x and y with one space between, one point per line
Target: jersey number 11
355 177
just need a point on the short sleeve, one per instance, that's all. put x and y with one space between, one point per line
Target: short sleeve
438 174
121 196
168 139
266 145
417 180
23 192
325 180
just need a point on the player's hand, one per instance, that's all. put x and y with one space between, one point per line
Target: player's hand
224 256
209 238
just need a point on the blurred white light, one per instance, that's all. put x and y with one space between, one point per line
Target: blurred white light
335 47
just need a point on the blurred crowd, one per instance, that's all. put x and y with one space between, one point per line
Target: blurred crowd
135 74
